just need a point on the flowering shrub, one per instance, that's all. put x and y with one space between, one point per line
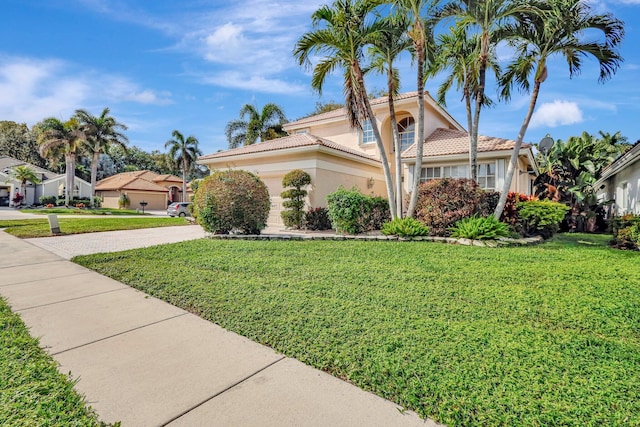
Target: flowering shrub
80 205
443 202
232 200
50 205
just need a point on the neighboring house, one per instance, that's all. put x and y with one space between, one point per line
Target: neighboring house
620 183
51 184
141 186
334 154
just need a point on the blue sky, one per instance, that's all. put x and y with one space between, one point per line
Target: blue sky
191 64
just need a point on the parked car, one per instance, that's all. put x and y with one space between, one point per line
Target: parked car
179 209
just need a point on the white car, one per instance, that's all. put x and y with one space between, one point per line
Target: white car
179 209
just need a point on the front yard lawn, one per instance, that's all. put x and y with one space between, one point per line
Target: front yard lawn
25 228
83 211
33 392
527 336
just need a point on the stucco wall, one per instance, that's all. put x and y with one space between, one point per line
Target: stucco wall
156 201
630 176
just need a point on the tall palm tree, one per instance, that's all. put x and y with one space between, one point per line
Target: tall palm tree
184 152
62 138
420 13
253 124
340 34
101 131
24 174
390 42
487 18
557 29
458 57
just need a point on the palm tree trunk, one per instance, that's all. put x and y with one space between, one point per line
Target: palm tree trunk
473 160
516 151
396 145
184 178
413 201
94 176
68 175
383 155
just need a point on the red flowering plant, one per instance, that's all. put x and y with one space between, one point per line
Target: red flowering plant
510 212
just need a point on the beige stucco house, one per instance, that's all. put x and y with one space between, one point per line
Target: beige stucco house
620 183
334 154
141 186
51 184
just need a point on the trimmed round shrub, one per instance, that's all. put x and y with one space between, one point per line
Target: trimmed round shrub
232 201
443 202
294 197
541 217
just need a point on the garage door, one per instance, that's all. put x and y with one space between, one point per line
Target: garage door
275 220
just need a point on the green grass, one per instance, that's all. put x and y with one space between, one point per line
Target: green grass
85 211
26 228
32 391
525 336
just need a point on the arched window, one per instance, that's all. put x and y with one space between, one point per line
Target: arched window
406 129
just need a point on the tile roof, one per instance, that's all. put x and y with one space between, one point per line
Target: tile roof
7 162
444 142
168 177
133 181
341 112
291 141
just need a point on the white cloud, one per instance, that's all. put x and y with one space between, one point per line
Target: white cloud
556 113
256 83
33 89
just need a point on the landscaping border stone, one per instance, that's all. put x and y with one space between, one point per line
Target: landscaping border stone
501 242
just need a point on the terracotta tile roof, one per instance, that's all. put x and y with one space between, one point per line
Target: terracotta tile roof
168 177
133 181
444 142
291 141
341 112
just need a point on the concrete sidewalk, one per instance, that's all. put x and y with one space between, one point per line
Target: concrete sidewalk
144 362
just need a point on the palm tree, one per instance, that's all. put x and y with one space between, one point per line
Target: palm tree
557 29
386 47
420 13
457 56
101 131
184 152
340 34
253 124
488 18
58 138
24 174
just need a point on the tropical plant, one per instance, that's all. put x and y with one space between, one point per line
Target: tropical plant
184 152
421 15
387 46
556 27
252 125
293 215
232 200
24 174
340 34
458 57
479 228
56 138
405 227
489 20
101 132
